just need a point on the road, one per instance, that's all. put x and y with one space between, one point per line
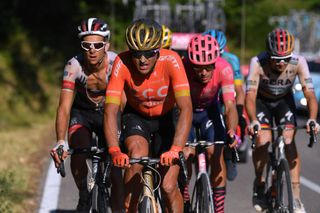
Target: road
239 192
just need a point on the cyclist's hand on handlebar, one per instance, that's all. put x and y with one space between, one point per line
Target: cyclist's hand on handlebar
316 125
233 140
169 157
119 159
252 125
54 154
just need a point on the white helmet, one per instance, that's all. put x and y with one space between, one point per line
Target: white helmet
94 26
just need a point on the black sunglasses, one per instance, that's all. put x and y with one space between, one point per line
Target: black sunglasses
281 60
199 68
147 54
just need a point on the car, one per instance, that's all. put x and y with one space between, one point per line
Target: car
299 99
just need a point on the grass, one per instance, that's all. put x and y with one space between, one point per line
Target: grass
24 155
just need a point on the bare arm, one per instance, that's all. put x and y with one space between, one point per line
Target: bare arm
240 96
184 120
110 124
312 104
231 113
251 104
63 114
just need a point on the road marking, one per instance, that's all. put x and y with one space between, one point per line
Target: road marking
50 196
309 184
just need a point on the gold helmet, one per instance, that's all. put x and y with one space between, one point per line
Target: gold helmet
166 37
144 34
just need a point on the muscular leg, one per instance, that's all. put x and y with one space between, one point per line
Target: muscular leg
218 167
81 138
170 190
260 155
137 146
294 163
117 190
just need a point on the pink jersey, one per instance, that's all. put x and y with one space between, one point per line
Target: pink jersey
204 94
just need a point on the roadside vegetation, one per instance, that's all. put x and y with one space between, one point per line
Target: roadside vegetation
36 41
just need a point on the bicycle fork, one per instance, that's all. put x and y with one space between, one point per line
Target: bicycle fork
148 190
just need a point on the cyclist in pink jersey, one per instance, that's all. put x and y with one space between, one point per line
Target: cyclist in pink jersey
207 74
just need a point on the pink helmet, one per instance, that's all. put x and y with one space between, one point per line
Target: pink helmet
203 50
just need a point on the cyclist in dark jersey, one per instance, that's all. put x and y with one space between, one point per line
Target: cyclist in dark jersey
82 100
269 98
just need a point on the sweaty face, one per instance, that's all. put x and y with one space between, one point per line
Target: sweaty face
204 72
144 60
94 48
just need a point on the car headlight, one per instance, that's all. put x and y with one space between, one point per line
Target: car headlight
303 101
298 87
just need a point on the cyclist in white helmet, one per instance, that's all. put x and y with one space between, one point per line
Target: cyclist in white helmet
81 106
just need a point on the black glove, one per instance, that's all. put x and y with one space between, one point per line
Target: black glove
242 121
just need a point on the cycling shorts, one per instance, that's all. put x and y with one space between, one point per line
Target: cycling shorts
158 131
282 111
210 123
91 119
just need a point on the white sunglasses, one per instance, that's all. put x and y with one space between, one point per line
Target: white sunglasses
86 45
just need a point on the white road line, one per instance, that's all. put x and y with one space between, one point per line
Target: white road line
309 184
50 196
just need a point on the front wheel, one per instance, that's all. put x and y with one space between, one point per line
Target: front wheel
284 190
204 201
100 200
147 206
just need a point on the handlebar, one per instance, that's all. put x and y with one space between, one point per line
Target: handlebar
313 137
89 150
281 128
254 136
235 154
61 170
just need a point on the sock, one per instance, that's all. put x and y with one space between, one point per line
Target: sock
218 199
186 195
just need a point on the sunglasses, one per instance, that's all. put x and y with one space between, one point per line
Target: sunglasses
278 61
86 45
146 54
199 68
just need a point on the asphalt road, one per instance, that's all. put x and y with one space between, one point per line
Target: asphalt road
239 192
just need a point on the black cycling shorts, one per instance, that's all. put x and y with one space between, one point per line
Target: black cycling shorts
158 130
282 111
91 119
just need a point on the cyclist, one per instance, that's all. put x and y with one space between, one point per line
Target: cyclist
207 74
82 100
269 96
233 60
153 80
166 37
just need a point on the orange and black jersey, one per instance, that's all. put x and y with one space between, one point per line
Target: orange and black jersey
152 94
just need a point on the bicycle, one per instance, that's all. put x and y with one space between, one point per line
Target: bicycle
98 178
150 197
278 189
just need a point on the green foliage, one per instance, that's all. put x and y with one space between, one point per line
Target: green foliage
10 191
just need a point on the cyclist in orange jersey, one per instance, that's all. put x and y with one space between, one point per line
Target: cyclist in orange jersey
153 80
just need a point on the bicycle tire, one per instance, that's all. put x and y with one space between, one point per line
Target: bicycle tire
204 200
94 199
284 191
145 206
268 186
